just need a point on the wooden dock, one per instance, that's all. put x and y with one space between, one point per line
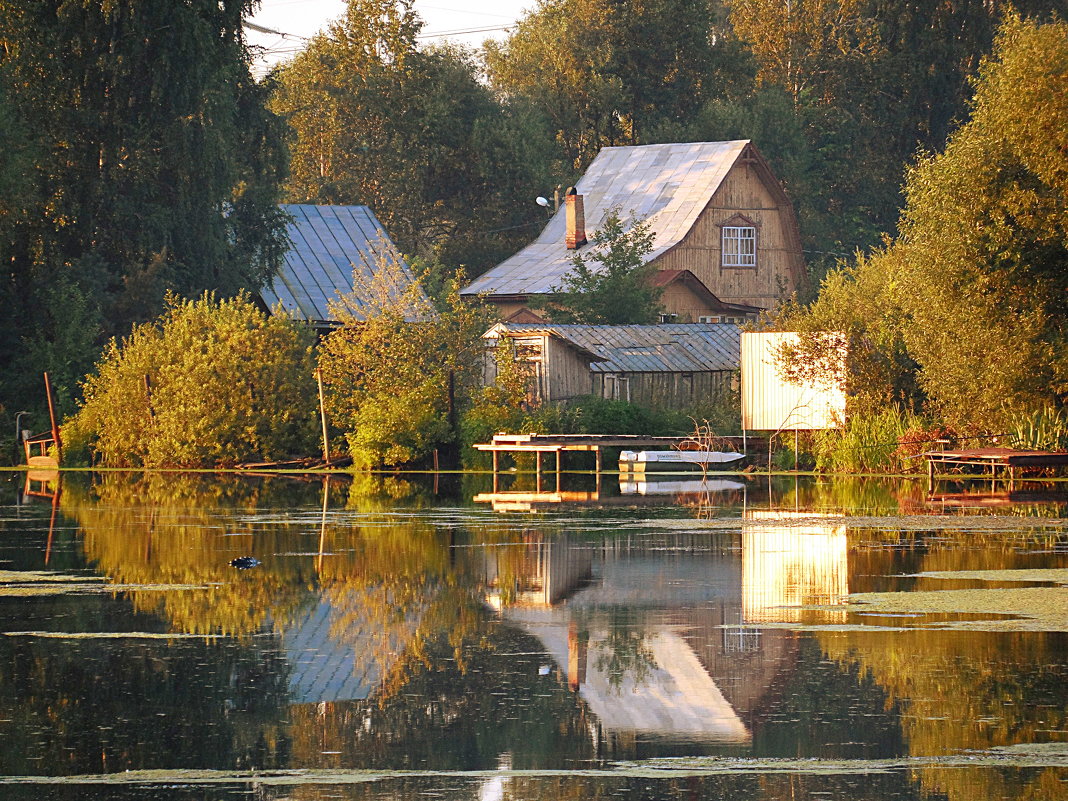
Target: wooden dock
992 460
557 444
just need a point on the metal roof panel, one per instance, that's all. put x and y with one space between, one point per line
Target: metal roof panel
327 243
682 347
669 185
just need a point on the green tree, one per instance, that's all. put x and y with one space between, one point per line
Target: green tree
969 302
149 164
211 382
610 284
603 72
411 132
795 41
871 82
400 370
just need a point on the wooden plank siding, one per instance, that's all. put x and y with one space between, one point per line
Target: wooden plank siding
665 390
681 301
568 372
744 192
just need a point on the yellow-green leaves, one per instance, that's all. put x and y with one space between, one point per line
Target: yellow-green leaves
210 383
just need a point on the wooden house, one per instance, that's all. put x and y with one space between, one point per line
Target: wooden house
690 301
716 211
659 366
329 246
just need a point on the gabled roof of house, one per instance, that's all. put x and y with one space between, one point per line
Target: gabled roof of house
675 348
667 185
327 244
664 278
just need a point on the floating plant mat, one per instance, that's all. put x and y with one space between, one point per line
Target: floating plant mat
978 523
1051 576
1048 755
29 583
1035 608
110 635
35 576
992 609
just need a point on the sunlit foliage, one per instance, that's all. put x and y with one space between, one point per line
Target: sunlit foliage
210 383
966 309
399 369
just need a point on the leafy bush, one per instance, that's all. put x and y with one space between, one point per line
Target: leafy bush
209 383
387 369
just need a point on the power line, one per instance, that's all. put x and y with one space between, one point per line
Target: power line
252 26
463 31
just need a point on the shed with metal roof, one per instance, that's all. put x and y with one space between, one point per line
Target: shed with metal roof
715 209
330 246
660 366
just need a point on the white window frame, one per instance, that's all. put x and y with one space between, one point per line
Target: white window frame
738 245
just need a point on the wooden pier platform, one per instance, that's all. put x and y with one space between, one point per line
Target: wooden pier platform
991 460
559 443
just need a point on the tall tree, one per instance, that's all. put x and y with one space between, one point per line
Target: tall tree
872 82
969 301
411 132
605 71
154 163
796 41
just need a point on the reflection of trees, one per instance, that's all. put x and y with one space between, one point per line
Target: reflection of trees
89 705
163 533
624 653
388 575
960 690
453 717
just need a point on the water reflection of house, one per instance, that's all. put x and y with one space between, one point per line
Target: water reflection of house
792 562
640 629
540 573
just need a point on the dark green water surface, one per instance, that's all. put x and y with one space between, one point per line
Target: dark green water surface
414 638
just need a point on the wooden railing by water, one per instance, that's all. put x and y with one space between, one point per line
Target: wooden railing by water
1008 461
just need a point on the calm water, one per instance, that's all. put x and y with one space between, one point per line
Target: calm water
401 639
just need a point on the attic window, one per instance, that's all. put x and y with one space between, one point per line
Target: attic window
739 246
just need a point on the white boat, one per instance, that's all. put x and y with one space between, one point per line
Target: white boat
638 460
642 487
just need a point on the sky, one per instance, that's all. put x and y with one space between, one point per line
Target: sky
464 21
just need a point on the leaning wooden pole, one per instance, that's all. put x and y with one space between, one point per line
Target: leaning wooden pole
52 417
322 415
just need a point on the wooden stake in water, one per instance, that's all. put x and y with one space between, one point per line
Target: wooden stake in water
322 415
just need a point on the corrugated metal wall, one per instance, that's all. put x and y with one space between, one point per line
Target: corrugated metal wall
769 403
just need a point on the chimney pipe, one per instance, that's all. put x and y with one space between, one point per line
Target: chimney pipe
576 219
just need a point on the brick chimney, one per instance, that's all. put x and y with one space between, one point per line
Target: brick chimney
576 219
